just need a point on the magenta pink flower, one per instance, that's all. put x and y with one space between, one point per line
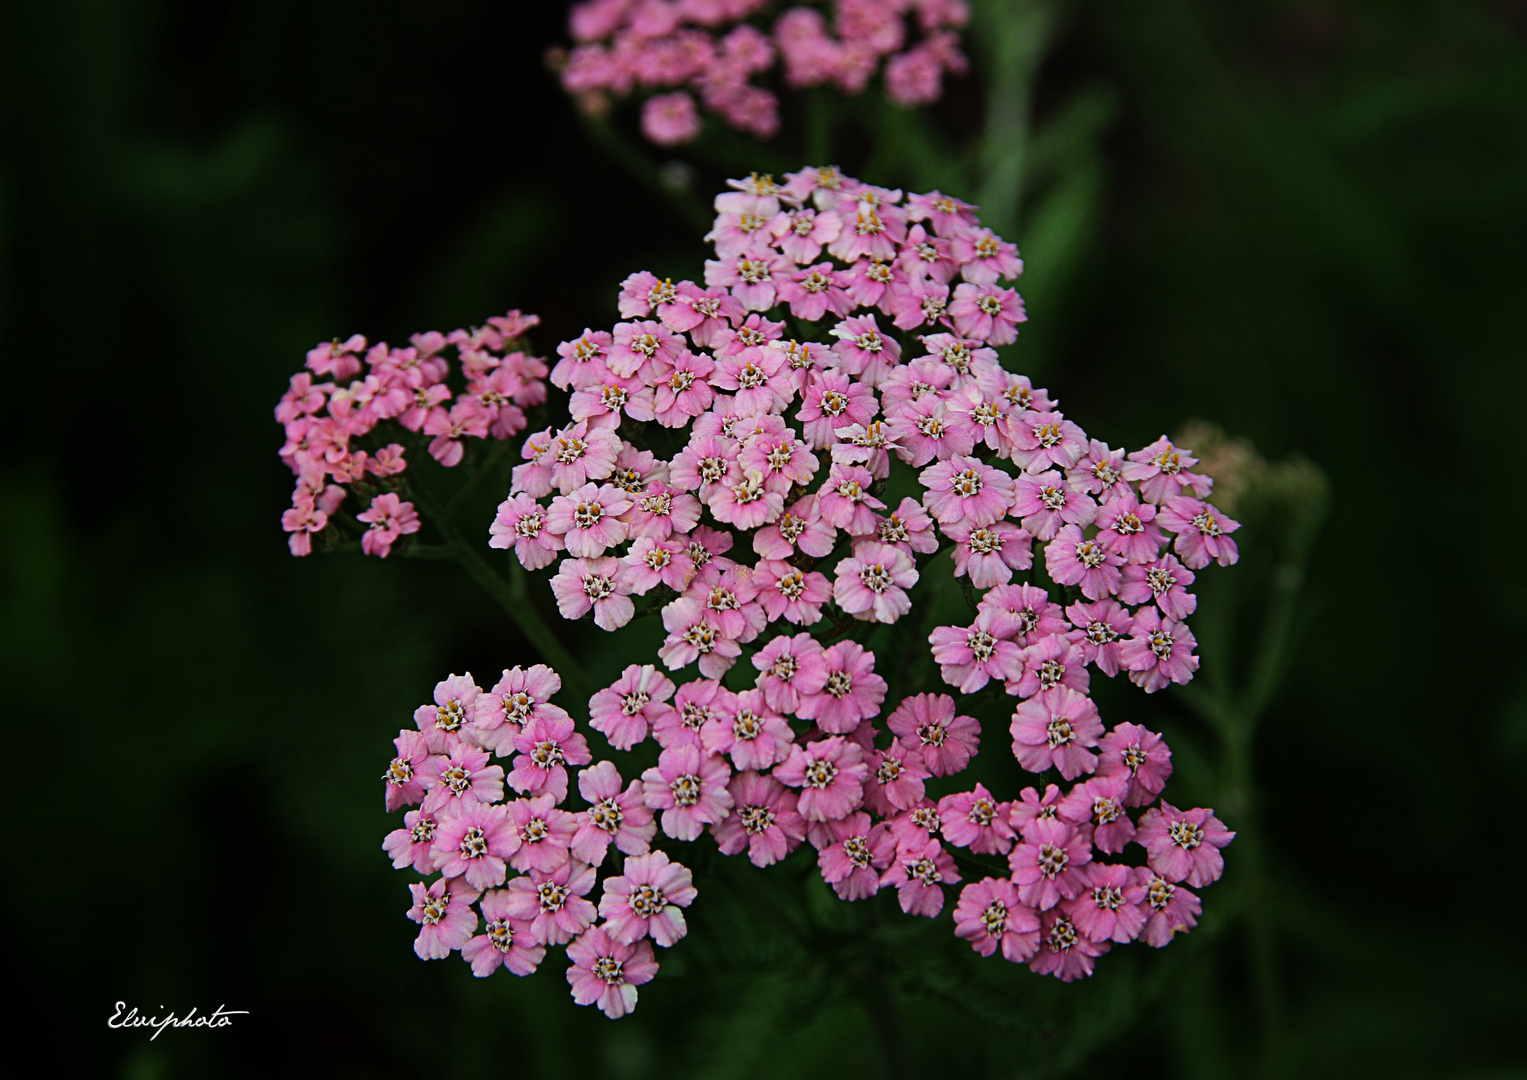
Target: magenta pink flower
987 313
670 119
405 783
1104 625
1046 503
1074 559
1171 909
927 723
1023 614
764 820
413 844
1129 529
1057 728
786 592
464 776
597 585
1100 803
851 692
748 731
645 901
555 904
1143 756
1047 866
606 972
970 656
505 941
871 584
791 669
1056 660
696 703
545 833
625 711
989 554
975 820
896 780
444 912
830 773
1030 807
588 519
1063 952
473 842
1184 845
1164 472
547 745
615 816
689 787
1160 651
521 524
1202 532
919 875
517 697
1165 581
852 853
831 401
1109 906
965 490
989 914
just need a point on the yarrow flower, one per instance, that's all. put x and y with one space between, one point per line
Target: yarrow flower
794 495
681 49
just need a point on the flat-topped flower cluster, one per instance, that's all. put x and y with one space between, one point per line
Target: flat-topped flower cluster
332 412
707 47
725 455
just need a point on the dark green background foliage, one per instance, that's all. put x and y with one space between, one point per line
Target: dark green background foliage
1301 219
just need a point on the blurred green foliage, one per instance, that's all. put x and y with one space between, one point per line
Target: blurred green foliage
1300 219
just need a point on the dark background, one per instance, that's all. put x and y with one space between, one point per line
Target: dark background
1303 221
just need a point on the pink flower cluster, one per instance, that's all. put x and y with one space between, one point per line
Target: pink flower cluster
786 405
667 45
342 432
516 874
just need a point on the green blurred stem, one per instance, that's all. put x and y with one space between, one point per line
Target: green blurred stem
1015 34
643 169
819 122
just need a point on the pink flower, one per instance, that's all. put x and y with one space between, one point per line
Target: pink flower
975 820
547 745
790 669
863 351
517 697
521 524
597 585
588 520
689 787
1184 845
830 401
413 844
1171 909
463 777
989 915
989 554
1041 439
1056 660
645 900
607 972
625 711
1056 728
752 278
473 843
1023 614
1063 952
965 490
851 855
1159 652
504 942
871 584
748 732
987 313
927 723
918 874
545 833
554 903
1142 756
851 692
1073 559
1047 866
896 780
1100 803
1129 529
1164 581
786 592
1202 532
1164 472
984 256
1108 907
970 656
444 912
1045 502
388 518
909 528
670 119
764 820
830 773
615 816
405 783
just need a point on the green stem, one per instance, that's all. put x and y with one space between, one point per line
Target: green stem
1016 33
643 169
